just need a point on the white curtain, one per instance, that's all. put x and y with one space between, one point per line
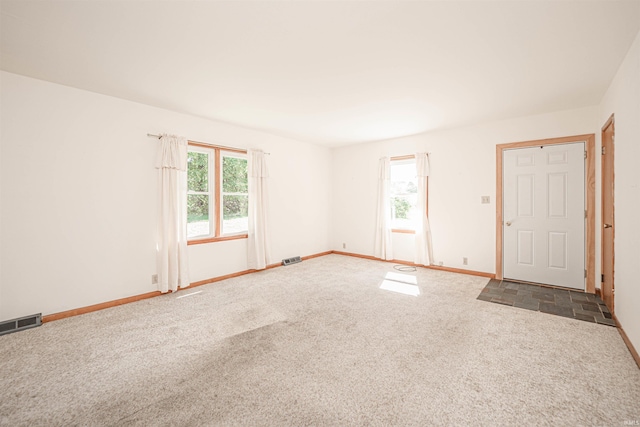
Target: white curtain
383 248
171 240
258 243
424 253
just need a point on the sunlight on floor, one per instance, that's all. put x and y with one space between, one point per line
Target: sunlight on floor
404 278
402 288
401 283
188 295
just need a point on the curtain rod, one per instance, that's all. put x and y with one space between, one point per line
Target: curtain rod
152 135
407 157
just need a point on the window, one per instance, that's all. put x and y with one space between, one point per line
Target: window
404 194
235 194
200 195
217 194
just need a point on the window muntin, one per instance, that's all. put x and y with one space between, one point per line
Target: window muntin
403 192
217 194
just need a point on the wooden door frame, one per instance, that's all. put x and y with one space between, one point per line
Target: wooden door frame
611 121
590 187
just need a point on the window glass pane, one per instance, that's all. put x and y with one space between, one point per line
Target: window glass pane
404 211
404 194
235 213
234 175
198 171
198 223
403 178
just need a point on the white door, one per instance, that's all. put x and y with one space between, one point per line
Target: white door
544 215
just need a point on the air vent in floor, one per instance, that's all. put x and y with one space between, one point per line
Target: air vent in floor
21 323
293 260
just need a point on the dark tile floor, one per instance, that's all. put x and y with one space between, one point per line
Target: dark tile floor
561 302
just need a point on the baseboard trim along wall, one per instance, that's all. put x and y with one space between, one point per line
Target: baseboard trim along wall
627 341
134 298
115 303
433 267
97 307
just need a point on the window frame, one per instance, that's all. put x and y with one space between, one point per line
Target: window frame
426 208
220 176
215 198
210 193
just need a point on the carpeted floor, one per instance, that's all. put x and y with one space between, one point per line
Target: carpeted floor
319 343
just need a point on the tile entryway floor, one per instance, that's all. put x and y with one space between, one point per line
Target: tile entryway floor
561 302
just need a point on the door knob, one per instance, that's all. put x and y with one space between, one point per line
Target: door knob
607 226
509 224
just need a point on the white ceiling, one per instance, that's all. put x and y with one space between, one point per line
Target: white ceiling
330 72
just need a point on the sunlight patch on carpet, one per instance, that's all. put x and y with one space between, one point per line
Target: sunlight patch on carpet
404 278
188 295
402 288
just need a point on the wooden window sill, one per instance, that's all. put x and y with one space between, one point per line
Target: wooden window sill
217 239
403 231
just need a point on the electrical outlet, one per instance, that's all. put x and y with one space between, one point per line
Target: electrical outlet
344 246
465 261
485 199
440 263
154 279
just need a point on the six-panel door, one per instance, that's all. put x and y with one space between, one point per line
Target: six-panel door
544 215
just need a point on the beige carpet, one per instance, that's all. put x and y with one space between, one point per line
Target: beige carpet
319 343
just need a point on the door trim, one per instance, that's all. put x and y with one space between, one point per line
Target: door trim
590 187
611 121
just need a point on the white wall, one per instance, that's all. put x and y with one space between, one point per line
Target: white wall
78 191
623 99
462 170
